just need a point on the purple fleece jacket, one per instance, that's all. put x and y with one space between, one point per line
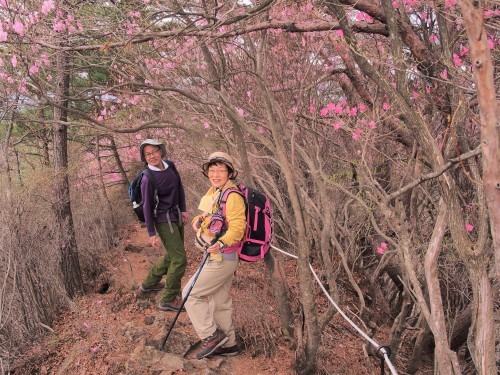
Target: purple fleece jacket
170 194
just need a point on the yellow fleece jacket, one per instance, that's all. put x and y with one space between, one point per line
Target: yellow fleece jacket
235 214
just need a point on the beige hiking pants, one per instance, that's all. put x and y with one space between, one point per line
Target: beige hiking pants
209 304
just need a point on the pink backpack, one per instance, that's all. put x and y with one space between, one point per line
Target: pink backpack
258 233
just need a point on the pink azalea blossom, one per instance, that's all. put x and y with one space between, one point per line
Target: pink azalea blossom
206 125
432 38
395 4
33 69
362 108
469 227
357 134
340 33
444 74
59 26
240 111
371 124
354 111
311 109
260 130
22 86
48 6
385 106
323 112
491 13
13 61
18 27
415 95
457 60
330 106
382 248
336 126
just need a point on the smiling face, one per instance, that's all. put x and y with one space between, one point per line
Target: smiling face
153 156
218 174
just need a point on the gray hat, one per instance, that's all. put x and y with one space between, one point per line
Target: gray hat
220 157
152 142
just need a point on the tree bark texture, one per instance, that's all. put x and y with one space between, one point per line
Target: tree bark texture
489 111
446 360
70 265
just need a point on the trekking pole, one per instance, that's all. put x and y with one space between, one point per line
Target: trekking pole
205 257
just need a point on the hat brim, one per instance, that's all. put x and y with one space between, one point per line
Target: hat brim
222 160
162 147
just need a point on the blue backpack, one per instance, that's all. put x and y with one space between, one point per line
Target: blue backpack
135 193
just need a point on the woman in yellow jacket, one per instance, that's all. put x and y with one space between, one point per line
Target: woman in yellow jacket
209 305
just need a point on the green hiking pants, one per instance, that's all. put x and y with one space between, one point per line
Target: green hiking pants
173 264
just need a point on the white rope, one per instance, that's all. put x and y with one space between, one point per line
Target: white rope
368 338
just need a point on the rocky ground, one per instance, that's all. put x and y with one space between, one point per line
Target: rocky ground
118 330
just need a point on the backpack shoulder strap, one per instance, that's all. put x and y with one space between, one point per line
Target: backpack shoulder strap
151 178
225 195
172 165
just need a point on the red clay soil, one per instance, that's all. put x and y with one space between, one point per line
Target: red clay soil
117 329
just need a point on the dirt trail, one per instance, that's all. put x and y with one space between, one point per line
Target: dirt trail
117 329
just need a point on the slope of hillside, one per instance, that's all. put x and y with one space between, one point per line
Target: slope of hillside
117 329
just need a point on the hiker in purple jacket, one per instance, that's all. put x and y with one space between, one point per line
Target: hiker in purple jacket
166 221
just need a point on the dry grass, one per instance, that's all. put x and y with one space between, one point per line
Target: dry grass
31 291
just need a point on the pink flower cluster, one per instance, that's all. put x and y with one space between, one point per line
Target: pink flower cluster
382 248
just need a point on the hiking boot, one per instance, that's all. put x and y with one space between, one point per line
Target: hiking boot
229 351
211 343
149 288
174 305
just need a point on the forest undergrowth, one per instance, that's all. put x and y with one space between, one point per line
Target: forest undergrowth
100 332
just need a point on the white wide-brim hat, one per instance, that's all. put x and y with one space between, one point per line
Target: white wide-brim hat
152 142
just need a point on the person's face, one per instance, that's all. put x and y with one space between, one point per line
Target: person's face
218 174
153 155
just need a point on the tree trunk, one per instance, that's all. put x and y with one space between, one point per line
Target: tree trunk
481 340
119 161
70 265
488 109
102 185
446 360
